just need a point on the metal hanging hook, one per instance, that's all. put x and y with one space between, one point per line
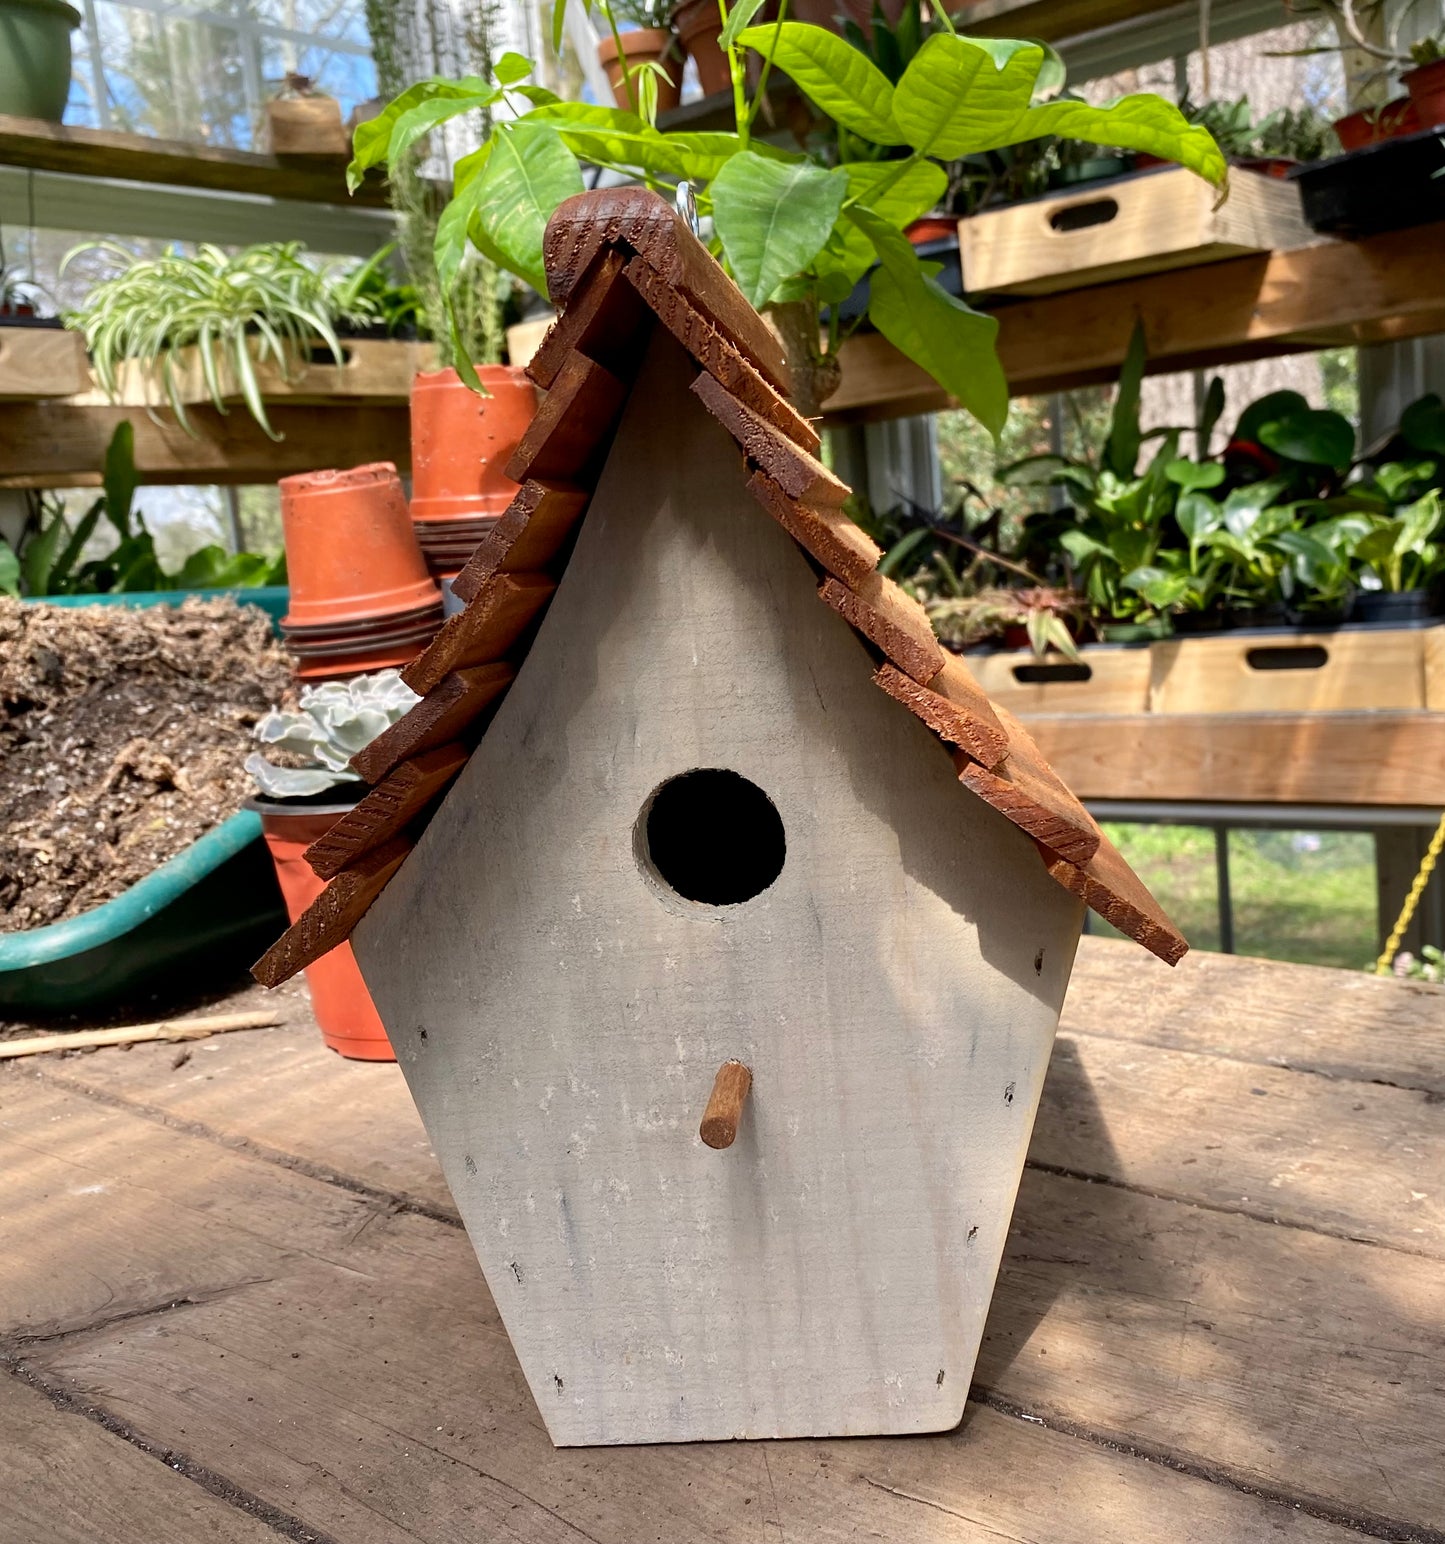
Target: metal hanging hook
686 203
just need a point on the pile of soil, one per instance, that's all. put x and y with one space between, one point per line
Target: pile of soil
122 735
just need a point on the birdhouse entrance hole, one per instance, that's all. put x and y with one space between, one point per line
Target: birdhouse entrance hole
712 836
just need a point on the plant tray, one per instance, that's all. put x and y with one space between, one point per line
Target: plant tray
377 370
41 362
1385 187
1110 679
1144 223
1328 671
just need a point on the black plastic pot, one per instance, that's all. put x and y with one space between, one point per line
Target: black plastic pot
1191 624
1257 618
1396 607
1398 183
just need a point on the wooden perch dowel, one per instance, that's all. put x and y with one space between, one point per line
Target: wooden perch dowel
725 1108
166 1029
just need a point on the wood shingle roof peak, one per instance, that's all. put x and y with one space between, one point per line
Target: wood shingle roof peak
620 262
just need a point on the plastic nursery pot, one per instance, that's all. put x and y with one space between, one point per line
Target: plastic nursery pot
1189 624
643 46
932 227
698 25
1427 93
461 441
35 57
343 1007
1392 606
1372 124
351 552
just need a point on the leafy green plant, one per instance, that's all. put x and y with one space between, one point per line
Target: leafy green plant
1401 550
797 230
331 724
235 310
47 559
1298 134
1048 616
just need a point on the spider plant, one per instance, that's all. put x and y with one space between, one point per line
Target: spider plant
236 310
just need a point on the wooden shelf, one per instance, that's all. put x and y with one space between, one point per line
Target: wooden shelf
54 147
1380 758
60 444
1330 294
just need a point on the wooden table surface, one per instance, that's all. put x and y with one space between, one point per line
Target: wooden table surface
236 1304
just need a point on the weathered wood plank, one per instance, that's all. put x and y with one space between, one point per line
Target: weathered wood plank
106 1212
68 1481
452 1450
1342 1023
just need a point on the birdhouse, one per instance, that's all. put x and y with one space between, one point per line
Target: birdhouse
719 922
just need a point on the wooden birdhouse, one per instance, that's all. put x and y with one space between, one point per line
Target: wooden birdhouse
719 922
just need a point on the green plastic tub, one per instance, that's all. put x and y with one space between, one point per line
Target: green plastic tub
198 921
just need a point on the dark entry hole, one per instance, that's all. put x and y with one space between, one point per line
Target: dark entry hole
1305 656
714 837
1078 217
1060 672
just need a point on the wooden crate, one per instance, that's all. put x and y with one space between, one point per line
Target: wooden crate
1110 679
41 362
1141 224
377 370
1324 672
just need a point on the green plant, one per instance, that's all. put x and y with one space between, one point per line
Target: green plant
1300 134
237 310
1047 615
796 230
332 723
1401 550
46 559
370 291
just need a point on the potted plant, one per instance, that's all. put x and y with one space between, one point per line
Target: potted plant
35 57
230 312
301 796
796 231
1402 557
641 56
697 26
302 120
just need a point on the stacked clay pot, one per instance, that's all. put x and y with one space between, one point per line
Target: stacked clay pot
361 595
460 443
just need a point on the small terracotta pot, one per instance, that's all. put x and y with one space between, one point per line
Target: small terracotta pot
698 25
351 553
343 1007
460 442
1372 125
645 45
1427 93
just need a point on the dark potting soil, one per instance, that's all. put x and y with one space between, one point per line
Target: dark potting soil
122 738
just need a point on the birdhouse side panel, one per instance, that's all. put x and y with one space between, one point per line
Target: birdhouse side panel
560 1000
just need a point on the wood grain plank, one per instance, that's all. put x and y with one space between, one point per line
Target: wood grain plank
439 717
828 535
798 474
527 536
1339 1023
454 1451
643 223
42 362
483 631
710 349
954 707
329 919
568 438
892 621
1300 758
604 319
68 1481
107 1213
1024 791
1106 884
387 809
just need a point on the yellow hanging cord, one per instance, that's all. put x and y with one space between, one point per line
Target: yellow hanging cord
1427 867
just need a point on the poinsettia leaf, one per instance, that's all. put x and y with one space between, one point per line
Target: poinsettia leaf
845 83
950 340
773 218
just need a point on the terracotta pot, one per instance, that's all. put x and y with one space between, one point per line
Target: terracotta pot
825 13
460 442
339 998
1371 125
351 553
932 227
1427 93
698 25
645 45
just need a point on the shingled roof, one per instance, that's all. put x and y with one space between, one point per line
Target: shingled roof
618 263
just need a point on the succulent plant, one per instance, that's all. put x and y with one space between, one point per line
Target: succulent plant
333 722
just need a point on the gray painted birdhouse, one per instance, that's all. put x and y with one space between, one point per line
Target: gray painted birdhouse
725 980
